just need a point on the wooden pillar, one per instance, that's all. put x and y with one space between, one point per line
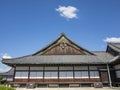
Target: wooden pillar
14 73
108 69
89 71
73 73
43 72
58 73
29 74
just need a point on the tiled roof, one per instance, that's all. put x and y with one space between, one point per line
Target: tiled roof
10 72
56 59
115 46
103 55
117 58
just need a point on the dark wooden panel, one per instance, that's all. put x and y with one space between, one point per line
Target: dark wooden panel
66 80
104 76
94 79
81 80
21 80
118 80
35 80
58 50
50 80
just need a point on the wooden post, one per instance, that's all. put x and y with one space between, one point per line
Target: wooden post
73 73
89 71
58 73
43 72
29 74
14 73
108 69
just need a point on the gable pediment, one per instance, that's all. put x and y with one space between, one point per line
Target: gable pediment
63 46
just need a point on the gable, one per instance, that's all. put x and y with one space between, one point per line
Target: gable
113 48
63 46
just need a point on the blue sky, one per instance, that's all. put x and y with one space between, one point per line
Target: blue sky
26 26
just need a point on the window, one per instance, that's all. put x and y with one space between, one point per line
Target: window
51 74
94 74
78 74
93 67
51 68
36 74
18 74
21 74
81 68
66 68
68 74
10 78
22 68
118 74
4 78
81 74
85 74
36 68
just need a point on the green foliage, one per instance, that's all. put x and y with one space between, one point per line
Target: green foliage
2 87
3 81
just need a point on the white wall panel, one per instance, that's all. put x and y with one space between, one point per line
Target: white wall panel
81 68
4 78
21 74
81 74
36 74
22 68
65 68
93 67
94 74
39 74
67 74
62 75
51 68
51 74
78 74
10 78
85 74
36 68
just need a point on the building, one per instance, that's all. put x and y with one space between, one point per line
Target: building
64 63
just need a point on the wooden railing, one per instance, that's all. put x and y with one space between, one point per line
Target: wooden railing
59 80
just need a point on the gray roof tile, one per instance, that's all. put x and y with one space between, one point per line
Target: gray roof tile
104 55
56 59
10 72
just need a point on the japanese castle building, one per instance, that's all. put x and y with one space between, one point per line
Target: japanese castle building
64 63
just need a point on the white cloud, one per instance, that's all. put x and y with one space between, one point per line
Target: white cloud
68 12
6 56
112 39
3 67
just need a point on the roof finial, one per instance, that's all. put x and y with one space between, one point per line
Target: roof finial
63 33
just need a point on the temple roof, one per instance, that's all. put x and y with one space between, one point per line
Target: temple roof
10 72
103 55
115 59
56 59
65 51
